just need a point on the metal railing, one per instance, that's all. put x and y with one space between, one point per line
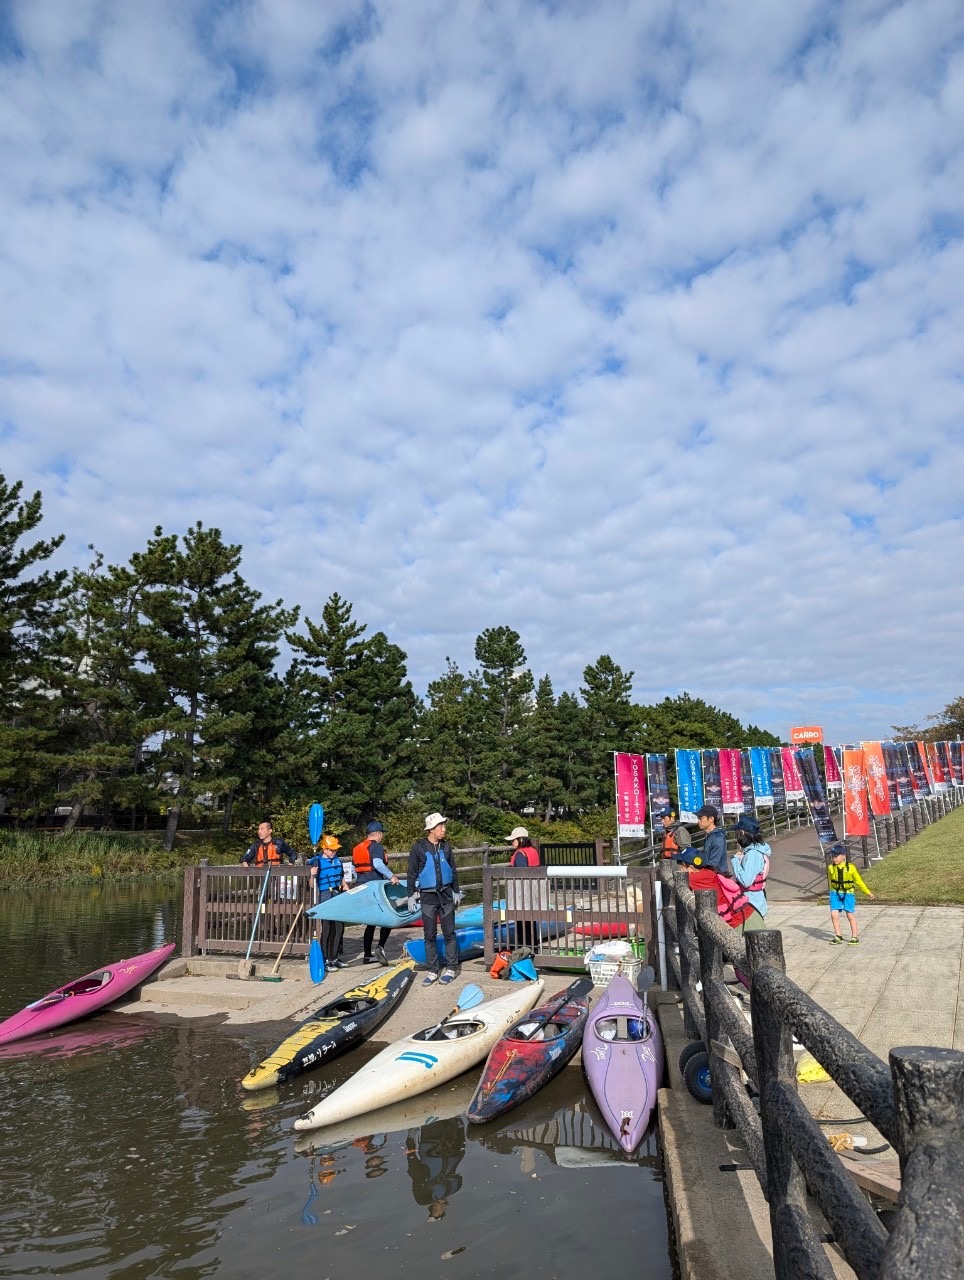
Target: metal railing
917 1103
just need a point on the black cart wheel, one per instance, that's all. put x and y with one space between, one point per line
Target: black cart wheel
693 1047
696 1074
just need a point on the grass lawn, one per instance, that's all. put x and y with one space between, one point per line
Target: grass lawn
927 870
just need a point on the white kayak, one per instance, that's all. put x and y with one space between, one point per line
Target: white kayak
427 1058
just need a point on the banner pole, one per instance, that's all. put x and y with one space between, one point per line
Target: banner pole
619 852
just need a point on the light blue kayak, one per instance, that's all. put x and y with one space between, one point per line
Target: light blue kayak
377 902
471 944
471 917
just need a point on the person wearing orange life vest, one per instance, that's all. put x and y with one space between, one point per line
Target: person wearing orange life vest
524 852
369 860
675 835
268 849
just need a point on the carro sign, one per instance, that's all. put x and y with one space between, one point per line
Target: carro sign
807 733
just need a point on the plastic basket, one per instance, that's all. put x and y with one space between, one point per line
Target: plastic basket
602 972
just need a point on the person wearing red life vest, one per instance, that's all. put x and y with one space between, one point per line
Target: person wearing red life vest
370 863
524 852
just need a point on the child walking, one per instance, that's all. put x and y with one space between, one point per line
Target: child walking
844 878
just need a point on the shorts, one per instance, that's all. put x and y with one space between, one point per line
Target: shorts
842 902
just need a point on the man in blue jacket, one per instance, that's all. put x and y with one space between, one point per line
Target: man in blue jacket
434 880
712 852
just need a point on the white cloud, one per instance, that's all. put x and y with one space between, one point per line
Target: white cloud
636 328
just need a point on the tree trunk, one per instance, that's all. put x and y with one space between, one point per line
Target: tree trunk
170 833
226 818
76 809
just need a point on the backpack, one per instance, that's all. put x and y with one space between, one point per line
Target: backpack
507 961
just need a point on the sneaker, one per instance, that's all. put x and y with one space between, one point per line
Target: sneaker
854 941
429 979
834 941
369 960
447 977
336 964
380 952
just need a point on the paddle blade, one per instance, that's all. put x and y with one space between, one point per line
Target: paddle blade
647 976
316 962
470 997
316 822
581 987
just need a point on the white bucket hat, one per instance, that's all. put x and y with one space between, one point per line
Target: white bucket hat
517 833
434 820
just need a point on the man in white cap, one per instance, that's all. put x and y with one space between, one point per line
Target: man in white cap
434 879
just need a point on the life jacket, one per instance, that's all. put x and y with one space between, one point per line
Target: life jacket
330 874
530 854
759 884
670 843
361 857
842 879
267 853
437 872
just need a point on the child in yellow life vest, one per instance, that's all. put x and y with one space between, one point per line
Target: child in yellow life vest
844 878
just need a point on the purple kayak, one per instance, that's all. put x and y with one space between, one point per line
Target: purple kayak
84 995
622 1053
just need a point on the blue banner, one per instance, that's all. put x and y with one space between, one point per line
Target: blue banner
776 777
689 783
658 787
898 776
746 783
761 771
712 787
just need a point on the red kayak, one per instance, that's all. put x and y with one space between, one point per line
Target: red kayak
84 995
532 1050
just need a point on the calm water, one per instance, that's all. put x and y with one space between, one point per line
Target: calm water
131 1150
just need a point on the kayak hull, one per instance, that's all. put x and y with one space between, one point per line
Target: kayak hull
377 902
334 1029
84 996
416 1063
624 1073
471 945
519 1066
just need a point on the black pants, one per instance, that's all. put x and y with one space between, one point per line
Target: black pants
439 905
368 937
332 932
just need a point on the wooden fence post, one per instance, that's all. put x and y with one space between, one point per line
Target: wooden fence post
189 918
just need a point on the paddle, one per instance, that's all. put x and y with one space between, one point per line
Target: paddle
469 998
645 979
274 976
581 987
316 962
316 822
245 968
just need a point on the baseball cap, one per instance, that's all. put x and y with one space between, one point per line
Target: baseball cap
708 811
374 826
517 833
748 824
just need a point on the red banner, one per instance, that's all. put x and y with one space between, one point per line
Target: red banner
832 768
876 775
937 768
630 794
856 811
792 781
731 781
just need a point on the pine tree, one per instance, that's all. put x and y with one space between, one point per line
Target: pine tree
31 613
547 757
450 771
506 689
580 785
685 721
610 719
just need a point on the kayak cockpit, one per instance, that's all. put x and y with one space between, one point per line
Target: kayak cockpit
635 1030
454 1031
533 1031
348 1008
82 987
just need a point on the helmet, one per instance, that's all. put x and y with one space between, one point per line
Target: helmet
330 842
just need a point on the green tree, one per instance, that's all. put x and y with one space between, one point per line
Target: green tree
354 730
685 721
450 767
611 721
31 614
505 685
580 779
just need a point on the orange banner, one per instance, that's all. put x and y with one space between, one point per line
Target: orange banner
876 772
807 733
856 812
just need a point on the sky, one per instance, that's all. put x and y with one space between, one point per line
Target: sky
635 326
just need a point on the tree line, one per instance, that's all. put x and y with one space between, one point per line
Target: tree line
154 688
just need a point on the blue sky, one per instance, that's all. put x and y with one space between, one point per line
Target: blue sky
635 326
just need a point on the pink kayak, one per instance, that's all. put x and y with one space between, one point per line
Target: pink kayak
84 995
622 1053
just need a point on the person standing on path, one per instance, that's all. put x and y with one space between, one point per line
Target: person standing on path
751 865
525 854
433 880
675 835
328 875
371 863
268 850
844 878
712 853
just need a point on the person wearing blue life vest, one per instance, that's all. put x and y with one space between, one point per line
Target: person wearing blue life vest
328 876
433 880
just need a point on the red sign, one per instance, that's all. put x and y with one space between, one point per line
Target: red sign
856 809
807 733
731 781
630 794
833 769
792 782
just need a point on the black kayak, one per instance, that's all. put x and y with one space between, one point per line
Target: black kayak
335 1028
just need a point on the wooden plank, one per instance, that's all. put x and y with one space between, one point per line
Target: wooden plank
879 1177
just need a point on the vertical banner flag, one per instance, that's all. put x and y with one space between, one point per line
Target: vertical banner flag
876 771
898 776
944 755
791 777
746 782
689 783
816 797
761 772
957 763
658 781
856 815
711 779
832 769
938 779
776 776
918 774
630 795
731 782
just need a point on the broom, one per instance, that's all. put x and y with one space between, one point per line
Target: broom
274 976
